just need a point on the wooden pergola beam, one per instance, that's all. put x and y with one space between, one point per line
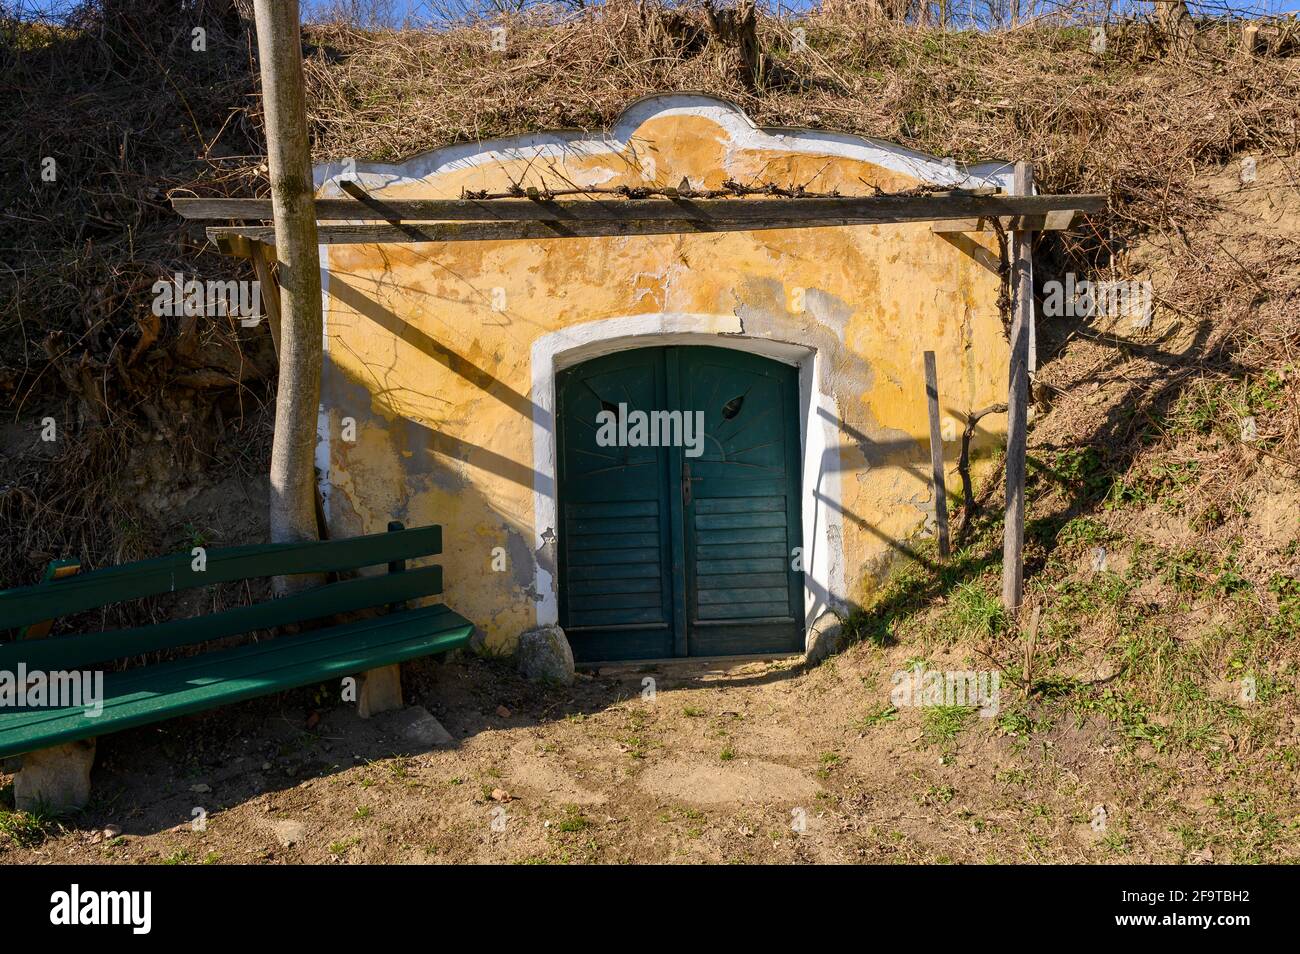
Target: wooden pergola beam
477 231
1057 221
504 231
735 213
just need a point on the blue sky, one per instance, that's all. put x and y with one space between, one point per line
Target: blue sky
415 9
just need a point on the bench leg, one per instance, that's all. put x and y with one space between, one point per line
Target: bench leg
380 690
56 779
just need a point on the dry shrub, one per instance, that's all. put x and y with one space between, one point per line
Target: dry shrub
1133 123
128 111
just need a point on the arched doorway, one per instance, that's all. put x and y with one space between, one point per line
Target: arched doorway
678 486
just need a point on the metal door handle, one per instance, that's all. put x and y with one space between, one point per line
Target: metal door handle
687 480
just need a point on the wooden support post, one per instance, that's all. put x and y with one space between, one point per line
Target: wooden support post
56 779
1022 315
57 570
1250 38
261 254
380 690
1031 363
936 454
297 400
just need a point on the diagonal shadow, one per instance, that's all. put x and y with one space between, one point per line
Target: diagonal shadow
482 379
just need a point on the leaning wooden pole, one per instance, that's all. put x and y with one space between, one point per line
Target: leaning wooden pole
936 454
1018 402
297 399
258 252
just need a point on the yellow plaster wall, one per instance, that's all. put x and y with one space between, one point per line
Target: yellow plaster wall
428 348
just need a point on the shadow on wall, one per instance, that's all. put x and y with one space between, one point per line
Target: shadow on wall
422 445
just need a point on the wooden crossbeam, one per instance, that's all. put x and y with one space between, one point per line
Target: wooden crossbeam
1057 221
742 216
748 212
503 231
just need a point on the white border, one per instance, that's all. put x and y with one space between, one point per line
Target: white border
819 478
619 139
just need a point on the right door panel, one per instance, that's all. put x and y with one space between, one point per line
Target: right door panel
740 497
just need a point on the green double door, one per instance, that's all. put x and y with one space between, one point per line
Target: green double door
690 549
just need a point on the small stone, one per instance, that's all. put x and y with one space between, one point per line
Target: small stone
266 766
825 638
544 655
288 833
380 690
201 788
112 831
416 724
503 712
501 795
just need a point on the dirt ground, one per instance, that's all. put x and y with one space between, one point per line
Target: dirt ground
751 762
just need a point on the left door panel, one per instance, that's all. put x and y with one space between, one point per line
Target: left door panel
615 561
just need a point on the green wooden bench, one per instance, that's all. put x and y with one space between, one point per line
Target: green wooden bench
53 740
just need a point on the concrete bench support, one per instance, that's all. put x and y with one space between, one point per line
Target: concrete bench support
380 690
55 779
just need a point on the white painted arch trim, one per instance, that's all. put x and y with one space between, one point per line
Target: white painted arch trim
819 471
619 140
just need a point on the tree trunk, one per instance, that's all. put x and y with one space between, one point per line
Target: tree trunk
293 479
735 29
1177 25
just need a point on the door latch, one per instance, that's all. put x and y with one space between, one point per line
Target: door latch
687 480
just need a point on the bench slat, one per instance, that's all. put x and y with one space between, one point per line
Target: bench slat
71 652
167 574
168 690
197 668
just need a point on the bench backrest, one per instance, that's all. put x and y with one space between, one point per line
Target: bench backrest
32 604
